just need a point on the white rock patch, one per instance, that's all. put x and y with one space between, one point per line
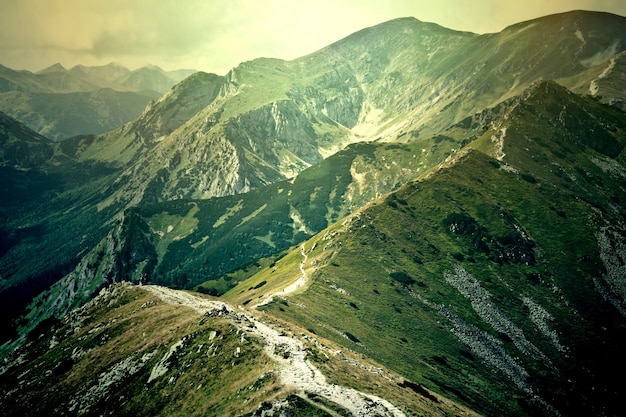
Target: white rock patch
161 368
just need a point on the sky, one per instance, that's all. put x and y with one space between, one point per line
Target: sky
217 35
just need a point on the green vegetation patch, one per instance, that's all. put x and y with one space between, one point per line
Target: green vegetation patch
530 248
171 227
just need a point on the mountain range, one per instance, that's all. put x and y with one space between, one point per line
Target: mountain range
60 103
410 221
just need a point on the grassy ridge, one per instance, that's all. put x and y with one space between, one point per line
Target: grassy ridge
480 280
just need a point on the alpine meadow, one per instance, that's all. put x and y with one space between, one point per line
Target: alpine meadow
411 221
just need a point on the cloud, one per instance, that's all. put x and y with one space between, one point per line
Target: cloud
216 35
110 28
158 28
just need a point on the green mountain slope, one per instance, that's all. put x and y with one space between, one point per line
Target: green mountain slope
446 75
48 198
602 81
447 274
195 243
495 280
268 120
411 193
184 243
403 79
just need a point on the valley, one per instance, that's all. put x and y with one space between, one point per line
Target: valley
412 220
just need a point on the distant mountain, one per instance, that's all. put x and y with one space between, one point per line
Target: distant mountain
20 147
60 116
436 201
57 80
399 81
54 68
23 155
118 77
153 78
61 103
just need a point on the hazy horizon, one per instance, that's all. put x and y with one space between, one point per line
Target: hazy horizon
218 35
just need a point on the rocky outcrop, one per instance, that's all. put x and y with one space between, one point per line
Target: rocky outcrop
336 95
279 134
126 254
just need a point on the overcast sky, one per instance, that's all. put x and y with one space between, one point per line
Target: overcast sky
216 35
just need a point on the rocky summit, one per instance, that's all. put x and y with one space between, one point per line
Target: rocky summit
410 221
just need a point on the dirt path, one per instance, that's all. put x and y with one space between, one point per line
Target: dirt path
301 279
291 287
294 368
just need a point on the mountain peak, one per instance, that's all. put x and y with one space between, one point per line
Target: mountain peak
544 87
53 68
151 67
115 64
401 26
572 17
